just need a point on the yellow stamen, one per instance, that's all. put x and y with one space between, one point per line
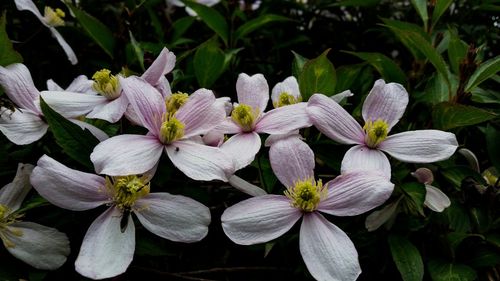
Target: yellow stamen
245 116
376 132
175 101
171 130
306 194
126 190
54 17
6 219
286 99
106 84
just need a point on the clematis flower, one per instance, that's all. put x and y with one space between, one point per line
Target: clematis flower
108 246
327 251
172 125
26 124
39 246
435 199
382 109
51 19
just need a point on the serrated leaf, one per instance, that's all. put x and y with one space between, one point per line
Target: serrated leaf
257 23
99 32
492 137
386 67
448 116
7 53
213 19
485 71
414 195
421 7
317 76
407 258
75 142
439 9
208 63
444 271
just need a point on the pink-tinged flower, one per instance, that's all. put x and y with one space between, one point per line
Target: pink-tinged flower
382 109
25 124
108 246
172 125
80 84
327 251
248 119
106 100
51 19
39 246
435 199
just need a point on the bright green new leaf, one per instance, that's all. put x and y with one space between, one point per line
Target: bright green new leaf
407 258
7 53
485 71
448 116
213 19
421 7
208 63
389 70
257 23
445 271
317 76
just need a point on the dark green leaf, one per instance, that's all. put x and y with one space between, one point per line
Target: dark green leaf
317 76
456 217
492 137
483 257
137 50
456 174
401 27
439 9
347 75
444 271
34 202
447 115
7 53
257 23
421 7
213 19
485 71
75 142
493 239
298 64
180 26
455 239
389 70
457 49
414 196
356 3
407 258
208 63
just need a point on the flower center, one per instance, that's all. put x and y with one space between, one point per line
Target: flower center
171 130
175 101
376 132
245 116
126 190
54 17
286 99
106 84
306 194
5 220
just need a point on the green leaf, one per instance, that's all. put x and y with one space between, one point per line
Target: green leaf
456 217
75 142
444 271
435 90
485 71
213 19
208 63
298 64
456 174
448 116
317 76
492 137
180 26
7 53
439 9
356 3
347 75
34 202
400 27
421 7
257 23
137 50
414 196
457 50
99 32
389 70
407 258
455 239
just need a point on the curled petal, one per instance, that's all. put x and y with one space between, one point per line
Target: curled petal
52 86
13 194
28 5
18 85
360 157
378 218
81 84
284 119
435 199
246 187
253 90
340 96
98 133
22 126
242 157
66 47
162 65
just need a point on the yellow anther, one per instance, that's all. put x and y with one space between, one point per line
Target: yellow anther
306 194
54 17
126 190
286 99
245 116
106 84
3 211
171 130
175 101
376 132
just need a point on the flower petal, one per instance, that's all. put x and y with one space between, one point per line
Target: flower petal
363 158
39 246
289 86
126 155
385 101
340 96
173 217
328 252
333 121
110 110
13 194
28 5
67 188
228 126
106 251
378 218
291 160
22 126
271 139
246 187
253 90
162 65
422 146
98 133
200 162
259 219
81 84
52 86
355 193
435 199
242 157
71 104
18 85
284 119
66 47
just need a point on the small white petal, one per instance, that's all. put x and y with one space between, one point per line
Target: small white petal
22 126
242 157
246 187
435 199
363 158
13 194
253 90
378 218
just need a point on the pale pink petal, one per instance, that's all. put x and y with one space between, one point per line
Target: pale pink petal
246 187
71 104
67 188
126 155
435 199
81 84
228 126
173 217
328 252
200 162
22 126
355 193
253 91
378 218
52 86
277 137
98 133
242 148
289 86
18 85
162 65
13 194
259 219
422 146
340 96
28 5
110 110
363 158
385 101
423 175
284 119
333 121
106 251
201 113
146 101
163 87
291 160
213 138
64 45
39 246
